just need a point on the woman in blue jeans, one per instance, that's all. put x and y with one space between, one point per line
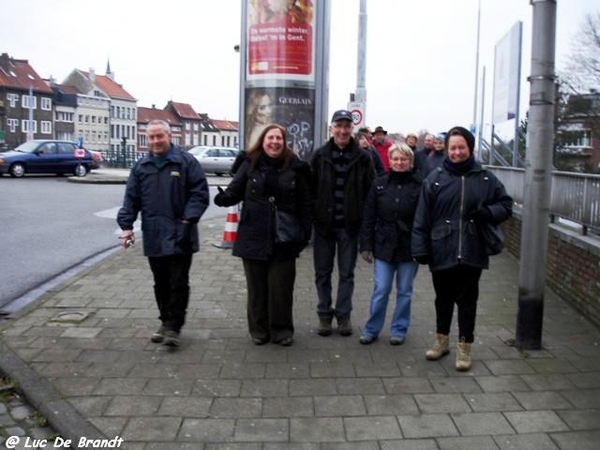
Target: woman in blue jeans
385 240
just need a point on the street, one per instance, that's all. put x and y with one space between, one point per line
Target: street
50 225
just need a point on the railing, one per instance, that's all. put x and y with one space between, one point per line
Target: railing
121 159
575 197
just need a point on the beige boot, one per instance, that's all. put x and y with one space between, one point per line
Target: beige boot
439 349
463 356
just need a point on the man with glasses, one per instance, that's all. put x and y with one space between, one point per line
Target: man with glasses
343 174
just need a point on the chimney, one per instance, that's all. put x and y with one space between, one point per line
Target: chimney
153 106
92 75
5 61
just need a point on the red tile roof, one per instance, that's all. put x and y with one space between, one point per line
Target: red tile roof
145 115
110 87
18 74
183 110
66 89
225 125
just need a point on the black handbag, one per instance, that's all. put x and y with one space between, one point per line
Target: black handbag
493 238
287 226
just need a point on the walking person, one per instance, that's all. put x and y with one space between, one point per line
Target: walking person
342 174
169 188
455 201
364 142
385 241
271 178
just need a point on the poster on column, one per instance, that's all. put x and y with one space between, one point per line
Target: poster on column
280 40
294 108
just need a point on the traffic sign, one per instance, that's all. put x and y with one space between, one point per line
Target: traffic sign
358 113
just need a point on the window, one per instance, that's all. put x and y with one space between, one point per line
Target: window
106 121
65 148
13 124
46 104
26 128
46 127
12 99
195 127
143 140
87 119
93 119
187 125
29 101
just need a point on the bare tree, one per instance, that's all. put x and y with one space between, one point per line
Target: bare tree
583 71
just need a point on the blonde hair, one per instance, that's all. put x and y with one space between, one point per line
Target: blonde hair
404 150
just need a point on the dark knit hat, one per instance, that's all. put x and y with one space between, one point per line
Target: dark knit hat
460 131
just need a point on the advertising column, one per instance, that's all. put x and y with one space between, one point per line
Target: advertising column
278 79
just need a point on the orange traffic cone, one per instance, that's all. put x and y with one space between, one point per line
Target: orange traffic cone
230 231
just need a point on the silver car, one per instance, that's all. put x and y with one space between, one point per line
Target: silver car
217 160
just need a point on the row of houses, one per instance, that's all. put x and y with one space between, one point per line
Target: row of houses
94 109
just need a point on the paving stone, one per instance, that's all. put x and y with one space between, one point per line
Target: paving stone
236 407
441 403
525 442
585 399
372 428
287 370
505 383
542 400
321 429
585 380
501 401
536 421
484 423
365 445
189 407
331 369
81 332
385 369
509 367
467 443
587 419
243 370
264 388
410 444
288 407
359 386
339 405
427 426
319 386
21 412
404 385
217 388
168 386
206 430
133 406
552 366
548 382
291 446
380 405
455 384
577 440
262 430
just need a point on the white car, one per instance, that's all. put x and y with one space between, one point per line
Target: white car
217 160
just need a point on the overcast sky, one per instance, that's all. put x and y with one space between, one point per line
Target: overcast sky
420 53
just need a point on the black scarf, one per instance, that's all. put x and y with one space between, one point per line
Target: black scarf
459 168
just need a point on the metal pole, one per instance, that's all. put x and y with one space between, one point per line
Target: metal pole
361 60
477 65
538 178
321 71
480 134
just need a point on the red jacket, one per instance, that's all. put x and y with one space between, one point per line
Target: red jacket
382 150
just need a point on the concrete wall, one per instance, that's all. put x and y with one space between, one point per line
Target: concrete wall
573 266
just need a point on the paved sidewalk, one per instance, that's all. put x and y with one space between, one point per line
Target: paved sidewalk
83 358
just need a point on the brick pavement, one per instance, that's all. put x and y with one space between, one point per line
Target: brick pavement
83 358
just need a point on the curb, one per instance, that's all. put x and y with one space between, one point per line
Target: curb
42 395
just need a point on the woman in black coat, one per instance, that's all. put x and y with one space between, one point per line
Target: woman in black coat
385 238
271 177
457 200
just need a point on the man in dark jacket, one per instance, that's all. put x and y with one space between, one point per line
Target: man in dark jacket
343 174
169 188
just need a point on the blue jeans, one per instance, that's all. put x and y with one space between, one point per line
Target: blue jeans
383 273
324 255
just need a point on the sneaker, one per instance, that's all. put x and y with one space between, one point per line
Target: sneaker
397 340
171 338
324 328
366 340
345 326
158 336
463 356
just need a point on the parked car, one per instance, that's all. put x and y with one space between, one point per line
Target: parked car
217 160
46 156
96 159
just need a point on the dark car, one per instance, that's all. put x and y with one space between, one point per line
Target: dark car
46 156
217 160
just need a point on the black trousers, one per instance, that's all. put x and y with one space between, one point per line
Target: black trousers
270 298
458 285
171 288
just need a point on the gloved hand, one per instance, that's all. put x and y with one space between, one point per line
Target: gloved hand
219 199
422 259
481 215
367 256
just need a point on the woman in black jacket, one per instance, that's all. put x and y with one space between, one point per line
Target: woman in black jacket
456 201
385 236
271 177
